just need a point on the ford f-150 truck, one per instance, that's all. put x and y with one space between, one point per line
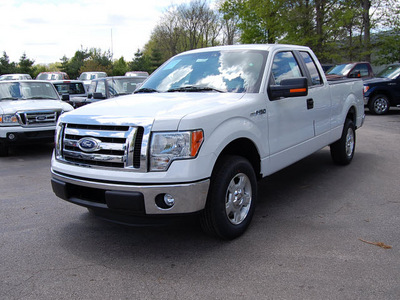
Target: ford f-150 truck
29 110
382 92
200 132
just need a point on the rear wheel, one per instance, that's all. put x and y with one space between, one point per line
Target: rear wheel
231 198
379 104
342 151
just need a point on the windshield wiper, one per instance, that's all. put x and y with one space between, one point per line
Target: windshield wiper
9 98
38 97
146 90
193 88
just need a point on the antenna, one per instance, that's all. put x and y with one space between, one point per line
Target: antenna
112 50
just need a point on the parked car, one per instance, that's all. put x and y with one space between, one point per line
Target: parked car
15 77
52 76
199 133
382 92
137 73
71 91
110 87
350 70
29 110
87 77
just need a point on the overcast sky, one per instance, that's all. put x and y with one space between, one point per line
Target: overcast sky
46 30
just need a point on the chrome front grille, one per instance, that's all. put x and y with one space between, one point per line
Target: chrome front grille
102 145
39 118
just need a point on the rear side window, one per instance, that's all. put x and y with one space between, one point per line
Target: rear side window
360 70
312 68
101 88
285 66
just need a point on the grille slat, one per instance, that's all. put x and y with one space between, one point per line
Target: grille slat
38 118
112 146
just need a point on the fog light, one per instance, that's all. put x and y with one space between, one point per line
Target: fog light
169 200
11 136
165 201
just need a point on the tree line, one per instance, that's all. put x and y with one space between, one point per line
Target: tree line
337 31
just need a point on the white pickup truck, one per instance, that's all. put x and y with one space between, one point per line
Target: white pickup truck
29 110
200 132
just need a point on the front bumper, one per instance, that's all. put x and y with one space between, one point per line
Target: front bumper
130 199
19 135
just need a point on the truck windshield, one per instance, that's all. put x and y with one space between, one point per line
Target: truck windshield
341 70
221 71
27 90
390 72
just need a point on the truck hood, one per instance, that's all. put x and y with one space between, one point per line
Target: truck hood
164 110
13 106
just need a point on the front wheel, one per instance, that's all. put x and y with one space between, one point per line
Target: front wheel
379 105
342 151
231 198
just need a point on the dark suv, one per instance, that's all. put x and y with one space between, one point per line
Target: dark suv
71 91
383 91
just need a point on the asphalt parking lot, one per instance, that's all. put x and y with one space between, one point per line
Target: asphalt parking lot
320 232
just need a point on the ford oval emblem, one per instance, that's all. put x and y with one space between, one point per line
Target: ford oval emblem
41 118
88 144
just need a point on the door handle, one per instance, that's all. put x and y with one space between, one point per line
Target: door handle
310 103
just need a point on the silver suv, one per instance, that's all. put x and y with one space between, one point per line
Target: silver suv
87 77
15 77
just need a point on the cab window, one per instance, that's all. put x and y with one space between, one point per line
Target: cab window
284 66
312 68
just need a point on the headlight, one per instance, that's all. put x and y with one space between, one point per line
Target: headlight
169 146
8 119
58 140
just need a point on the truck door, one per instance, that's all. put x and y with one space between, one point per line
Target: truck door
318 94
290 120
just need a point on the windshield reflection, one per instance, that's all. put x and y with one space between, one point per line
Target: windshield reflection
27 90
223 71
390 72
340 69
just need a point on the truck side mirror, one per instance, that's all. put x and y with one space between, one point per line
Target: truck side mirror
65 97
291 87
98 96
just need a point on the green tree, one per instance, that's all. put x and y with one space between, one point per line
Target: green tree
120 67
140 62
38 69
6 67
156 59
72 66
260 21
25 65
97 61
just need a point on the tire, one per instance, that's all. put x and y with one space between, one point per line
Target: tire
342 151
231 198
3 149
379 105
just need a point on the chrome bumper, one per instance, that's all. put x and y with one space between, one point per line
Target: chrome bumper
189 197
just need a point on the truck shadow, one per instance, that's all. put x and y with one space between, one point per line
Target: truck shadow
280 196
31 150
